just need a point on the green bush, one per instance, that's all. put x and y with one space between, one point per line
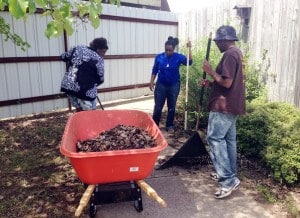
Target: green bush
270 132
252 131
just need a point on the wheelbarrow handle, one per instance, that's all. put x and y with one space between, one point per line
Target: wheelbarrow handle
151 192
84 200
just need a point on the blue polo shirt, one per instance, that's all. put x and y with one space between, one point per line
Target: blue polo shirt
167 68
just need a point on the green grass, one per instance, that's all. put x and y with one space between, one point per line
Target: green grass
267 193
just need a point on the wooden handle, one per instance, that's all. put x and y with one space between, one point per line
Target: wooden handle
84 199
151 192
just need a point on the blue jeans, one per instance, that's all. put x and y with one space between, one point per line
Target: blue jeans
221 137
161 94
81 104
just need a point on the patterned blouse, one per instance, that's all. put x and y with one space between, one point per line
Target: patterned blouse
85 72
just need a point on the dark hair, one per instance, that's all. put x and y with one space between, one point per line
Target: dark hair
99 43
172 41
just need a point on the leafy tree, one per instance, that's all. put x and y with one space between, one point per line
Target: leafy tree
63 13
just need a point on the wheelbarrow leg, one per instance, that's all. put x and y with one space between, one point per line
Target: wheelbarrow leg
93 207
138 202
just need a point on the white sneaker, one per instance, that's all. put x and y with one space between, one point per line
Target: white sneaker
224 192
237 184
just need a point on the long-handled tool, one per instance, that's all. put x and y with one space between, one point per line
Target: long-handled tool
204 77
100 103
186 90
187 81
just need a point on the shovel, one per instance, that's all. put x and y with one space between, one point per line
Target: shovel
204 77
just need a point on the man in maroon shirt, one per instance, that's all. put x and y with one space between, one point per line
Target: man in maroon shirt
226 102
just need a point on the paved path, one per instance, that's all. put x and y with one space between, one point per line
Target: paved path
187 193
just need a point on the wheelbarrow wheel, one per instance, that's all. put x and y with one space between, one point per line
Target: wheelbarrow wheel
93 210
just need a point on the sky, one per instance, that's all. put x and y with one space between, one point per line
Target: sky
177 6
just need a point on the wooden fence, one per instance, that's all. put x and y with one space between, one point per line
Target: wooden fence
272 29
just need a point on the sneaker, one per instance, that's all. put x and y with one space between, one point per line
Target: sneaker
224 192
214 176
237 184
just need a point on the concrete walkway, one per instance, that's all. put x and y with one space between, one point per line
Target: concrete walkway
188 193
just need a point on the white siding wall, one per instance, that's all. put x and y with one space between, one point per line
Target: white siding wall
23 80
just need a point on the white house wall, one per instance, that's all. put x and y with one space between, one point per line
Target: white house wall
31 79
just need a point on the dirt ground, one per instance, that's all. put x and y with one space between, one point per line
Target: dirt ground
38 181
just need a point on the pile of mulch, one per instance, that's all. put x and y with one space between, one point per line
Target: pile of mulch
121 137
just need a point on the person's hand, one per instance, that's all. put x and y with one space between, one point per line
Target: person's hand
206 67
205 83
189 44
151 86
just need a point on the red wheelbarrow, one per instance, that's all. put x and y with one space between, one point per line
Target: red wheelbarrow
111 167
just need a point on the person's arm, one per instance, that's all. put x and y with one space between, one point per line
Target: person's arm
222 81
100 71
154 73
67 56
151 86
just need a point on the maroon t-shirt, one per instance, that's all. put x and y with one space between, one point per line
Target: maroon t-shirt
229 100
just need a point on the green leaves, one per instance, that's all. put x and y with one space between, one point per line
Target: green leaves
5 31
41 3
31 7
277 139
62 12
18 8
54 28
68 26
62 20
94 13
3 3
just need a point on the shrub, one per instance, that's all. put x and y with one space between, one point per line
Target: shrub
270 132
252 131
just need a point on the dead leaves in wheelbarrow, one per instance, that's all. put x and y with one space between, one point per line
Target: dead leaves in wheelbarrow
121 137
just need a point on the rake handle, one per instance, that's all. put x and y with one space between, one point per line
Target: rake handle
204 73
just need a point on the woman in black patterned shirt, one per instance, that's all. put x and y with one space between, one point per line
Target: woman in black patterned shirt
84 74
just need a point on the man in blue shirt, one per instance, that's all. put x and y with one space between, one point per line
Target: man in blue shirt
166 67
